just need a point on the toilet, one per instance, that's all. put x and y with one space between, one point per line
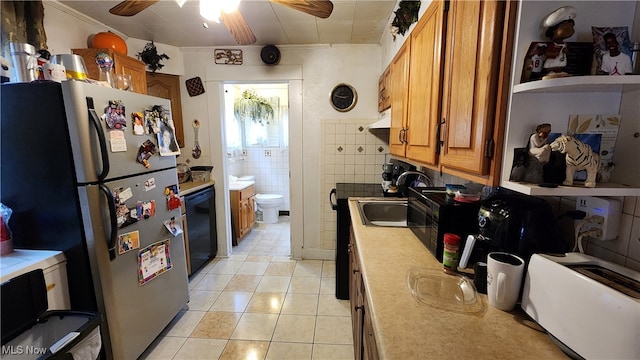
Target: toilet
268 204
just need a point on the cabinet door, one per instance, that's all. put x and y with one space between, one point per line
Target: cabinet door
244 217
474 33
399 84
252 211
384 98
425 86
168 87
356 297
369 345
127 65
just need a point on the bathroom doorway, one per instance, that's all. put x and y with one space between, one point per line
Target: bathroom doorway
256 128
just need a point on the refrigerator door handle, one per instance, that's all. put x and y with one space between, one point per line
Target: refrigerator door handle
113 235
104 155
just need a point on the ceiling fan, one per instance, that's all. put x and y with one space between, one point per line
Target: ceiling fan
234 21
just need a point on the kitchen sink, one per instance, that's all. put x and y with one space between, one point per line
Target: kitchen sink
388 213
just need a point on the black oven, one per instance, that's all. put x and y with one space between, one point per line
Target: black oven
431 214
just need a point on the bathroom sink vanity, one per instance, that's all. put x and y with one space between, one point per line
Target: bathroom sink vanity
243 205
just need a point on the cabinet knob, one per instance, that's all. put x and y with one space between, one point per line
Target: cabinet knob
355 271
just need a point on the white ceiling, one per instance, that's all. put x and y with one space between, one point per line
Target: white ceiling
351 22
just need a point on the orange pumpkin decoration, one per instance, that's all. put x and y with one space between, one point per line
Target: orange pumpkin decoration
109 40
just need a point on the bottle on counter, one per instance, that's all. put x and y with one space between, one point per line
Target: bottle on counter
451 253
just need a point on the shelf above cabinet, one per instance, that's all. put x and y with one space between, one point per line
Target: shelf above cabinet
605 189
592 83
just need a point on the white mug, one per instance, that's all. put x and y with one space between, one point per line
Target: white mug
55 72
504 277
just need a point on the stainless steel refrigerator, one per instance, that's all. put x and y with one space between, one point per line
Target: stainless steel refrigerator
79 179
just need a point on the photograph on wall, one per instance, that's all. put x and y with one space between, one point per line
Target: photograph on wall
578 60
153 260
612 50
128 241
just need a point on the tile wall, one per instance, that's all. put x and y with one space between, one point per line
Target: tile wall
271 171
352 154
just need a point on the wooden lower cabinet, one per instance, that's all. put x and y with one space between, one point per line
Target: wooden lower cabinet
243 205
364 341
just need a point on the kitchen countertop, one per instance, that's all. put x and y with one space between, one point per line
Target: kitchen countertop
193 186
407 329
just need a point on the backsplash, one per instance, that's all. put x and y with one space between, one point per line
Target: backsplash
352 154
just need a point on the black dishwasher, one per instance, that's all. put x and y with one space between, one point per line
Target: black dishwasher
201 227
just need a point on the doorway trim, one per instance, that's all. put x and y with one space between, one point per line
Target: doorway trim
214 83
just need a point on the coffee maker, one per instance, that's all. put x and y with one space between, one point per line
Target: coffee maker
514 223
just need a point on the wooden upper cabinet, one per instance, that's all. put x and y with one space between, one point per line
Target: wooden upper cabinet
384 90
168 87
425 83
470 92
399 98
122 64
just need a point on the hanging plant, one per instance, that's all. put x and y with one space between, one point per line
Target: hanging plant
151 58
406 15
253 106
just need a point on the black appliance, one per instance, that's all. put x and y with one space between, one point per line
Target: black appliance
342 193
201 219
514 223
432 213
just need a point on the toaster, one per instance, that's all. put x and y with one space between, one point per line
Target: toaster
588 305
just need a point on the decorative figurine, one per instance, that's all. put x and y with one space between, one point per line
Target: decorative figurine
580 157
539 153
559 26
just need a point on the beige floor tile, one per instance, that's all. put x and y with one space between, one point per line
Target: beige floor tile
332 352
255 327
281 251
235 257
236 350
243 283
328 269
262 250
295 328
304 285
217 325
163 348
205 269
184 323
275 259
312 268
329 305
328 286
333 330
289 351
232 301
280 268
274 284
213 282
202 299
195 279
252 268
300 304
252 258
226 267
201 349
266 303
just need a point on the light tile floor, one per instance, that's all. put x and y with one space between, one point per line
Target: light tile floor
259 304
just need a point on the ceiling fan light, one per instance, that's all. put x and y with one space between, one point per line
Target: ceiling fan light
181 2
210 10
230 6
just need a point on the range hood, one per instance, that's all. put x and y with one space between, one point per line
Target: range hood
384 120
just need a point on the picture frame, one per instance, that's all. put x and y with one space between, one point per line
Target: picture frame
579 59
228 56
599 48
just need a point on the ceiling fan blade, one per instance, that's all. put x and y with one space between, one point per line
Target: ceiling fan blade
238 27
319 8
131 7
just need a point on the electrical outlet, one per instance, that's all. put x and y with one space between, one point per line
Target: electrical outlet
244 152
609 209
267 153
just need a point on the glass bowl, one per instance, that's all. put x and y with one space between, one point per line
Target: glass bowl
450 292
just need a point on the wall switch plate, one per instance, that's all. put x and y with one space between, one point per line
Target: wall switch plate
609 209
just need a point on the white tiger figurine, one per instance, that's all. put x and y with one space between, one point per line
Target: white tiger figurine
580 156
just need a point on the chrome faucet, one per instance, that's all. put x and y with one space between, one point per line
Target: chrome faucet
401 178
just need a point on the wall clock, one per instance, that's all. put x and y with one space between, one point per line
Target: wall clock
343 97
